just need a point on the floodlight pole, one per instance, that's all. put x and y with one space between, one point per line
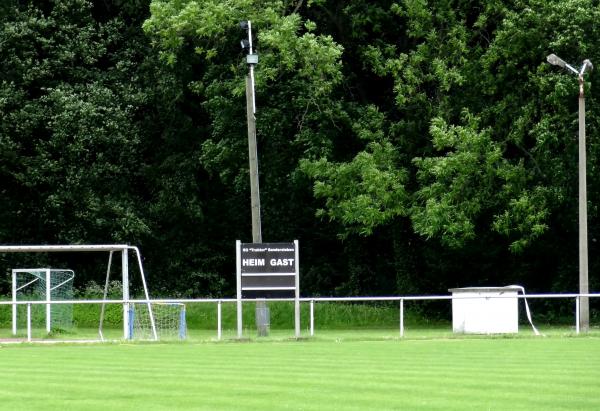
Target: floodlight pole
584 306
584 311
252 60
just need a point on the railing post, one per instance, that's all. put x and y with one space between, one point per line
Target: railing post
577 314
48 299
29 322
401 317
219 328
312 318
14 300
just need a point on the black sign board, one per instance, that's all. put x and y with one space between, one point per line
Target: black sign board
268 270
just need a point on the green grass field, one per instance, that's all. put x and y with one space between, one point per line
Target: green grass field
355 361
552 373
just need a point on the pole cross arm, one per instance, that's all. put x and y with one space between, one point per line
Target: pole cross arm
557 61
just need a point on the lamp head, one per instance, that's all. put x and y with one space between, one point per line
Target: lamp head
555 60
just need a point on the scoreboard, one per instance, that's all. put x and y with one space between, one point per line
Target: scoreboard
267 270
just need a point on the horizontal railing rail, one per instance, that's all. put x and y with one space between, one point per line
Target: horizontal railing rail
311 300
302 299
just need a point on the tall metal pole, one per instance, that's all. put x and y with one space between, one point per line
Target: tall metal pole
584 313
261 305
583 318
253 160
252 59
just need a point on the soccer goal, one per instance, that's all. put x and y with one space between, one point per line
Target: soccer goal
47 284
43 284
169 321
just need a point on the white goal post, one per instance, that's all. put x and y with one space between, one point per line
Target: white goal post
123 249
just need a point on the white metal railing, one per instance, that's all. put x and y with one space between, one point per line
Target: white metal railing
311 300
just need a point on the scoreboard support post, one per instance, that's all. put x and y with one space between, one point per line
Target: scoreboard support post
238 264
297 293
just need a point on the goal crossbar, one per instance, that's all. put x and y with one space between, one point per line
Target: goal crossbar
58 248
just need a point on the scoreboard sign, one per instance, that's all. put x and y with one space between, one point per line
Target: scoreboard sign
267 270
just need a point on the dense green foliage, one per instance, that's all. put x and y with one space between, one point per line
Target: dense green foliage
410 146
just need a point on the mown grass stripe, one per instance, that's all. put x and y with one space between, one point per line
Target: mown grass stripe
549 374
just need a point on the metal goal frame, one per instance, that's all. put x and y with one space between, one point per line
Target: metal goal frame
123 249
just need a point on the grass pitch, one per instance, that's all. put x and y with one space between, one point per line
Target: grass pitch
553 373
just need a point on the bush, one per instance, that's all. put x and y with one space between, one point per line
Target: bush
88 315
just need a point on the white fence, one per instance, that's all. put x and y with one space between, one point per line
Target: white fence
312 301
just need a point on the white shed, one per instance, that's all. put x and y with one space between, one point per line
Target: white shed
485 310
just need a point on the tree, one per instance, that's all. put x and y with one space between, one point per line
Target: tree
476 124
423 144
296 112
68 134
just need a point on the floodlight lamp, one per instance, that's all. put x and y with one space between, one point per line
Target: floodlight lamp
245 44
555 60
244 24
587 64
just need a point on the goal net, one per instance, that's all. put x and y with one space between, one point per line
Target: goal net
169 321
43 284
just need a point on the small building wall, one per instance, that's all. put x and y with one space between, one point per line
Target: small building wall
485 310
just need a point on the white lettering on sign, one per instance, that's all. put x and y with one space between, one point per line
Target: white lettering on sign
253 262
281 262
